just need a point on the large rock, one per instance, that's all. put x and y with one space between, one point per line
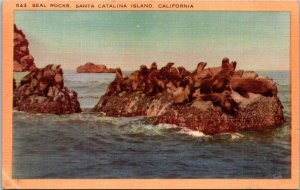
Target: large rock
260 114
43 91
208 100
23 61
93 68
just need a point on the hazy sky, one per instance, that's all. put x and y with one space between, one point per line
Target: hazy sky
257 40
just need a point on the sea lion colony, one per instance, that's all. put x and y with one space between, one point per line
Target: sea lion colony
46 82
215 84
45 87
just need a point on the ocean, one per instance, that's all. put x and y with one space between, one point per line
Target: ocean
90 145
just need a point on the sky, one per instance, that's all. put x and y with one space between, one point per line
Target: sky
127 39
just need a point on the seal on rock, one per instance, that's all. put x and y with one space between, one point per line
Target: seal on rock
265 87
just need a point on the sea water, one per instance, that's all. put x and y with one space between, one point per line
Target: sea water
90 145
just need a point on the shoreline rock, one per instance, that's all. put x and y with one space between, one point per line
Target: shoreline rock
23 61
43 91
212 100
93 68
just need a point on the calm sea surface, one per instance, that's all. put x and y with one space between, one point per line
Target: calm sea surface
88 145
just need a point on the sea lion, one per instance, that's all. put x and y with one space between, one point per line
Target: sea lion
250 74
197 94
34 82
171 88
153 67
149 88
118 73
174 76
227 68
181 94
27 90
134 77
25 79
117 85
238 73
144 70
200 68
159 83
205 85
114 87
50 92
154 77
199 73
43 86
225 61
48 75
58 78
59 81
187 80
223 100
183 72
48 67
265 87
220 84
149 84
166 68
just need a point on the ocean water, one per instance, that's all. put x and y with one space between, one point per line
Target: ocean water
90 145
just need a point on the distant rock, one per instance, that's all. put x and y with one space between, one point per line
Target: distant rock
43 91
23 61
93 68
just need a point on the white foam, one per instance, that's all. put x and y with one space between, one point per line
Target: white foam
197 134
167 126
233 136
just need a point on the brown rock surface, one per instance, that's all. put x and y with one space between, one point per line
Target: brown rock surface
43 91
93 68
23 61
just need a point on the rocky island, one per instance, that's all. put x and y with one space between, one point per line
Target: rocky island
43 91
93 68
210 100
23 61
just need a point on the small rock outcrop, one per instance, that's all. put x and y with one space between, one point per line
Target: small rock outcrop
210 100
43 91
23 61
93 68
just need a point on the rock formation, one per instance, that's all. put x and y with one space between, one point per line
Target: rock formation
211 100
43 91
93 68
23 61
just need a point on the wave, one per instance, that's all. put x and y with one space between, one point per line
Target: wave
129 126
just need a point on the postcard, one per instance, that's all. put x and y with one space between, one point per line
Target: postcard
150 95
